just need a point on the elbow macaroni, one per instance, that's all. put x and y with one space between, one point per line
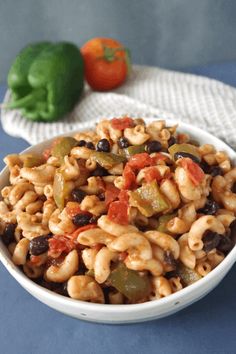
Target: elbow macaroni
81 231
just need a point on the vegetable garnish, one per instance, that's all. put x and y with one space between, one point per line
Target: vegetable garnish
122 123
59 244
129 178
194 171
107 63
118 210
39 86
149 199
111 193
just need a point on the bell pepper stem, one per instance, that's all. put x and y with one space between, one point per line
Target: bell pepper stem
28 100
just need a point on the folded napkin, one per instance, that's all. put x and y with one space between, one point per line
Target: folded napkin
149 92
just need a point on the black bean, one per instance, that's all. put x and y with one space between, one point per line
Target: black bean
216 171
81 143
211 170
78 195
232 228
171 141
8 235
101 196
93 219
171 274
103 145
169 259
225 245
123 143
90 145
63 290
59 288
153 146
81 219
204 166
181 154
233 189
210 208
100 171
39 245
211 240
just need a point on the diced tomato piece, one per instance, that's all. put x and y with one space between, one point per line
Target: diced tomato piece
152 174
111 193
139 161
59 244
76 233
129 178
194 171
118 212
122 123
123 196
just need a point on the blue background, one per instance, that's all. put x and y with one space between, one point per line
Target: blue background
168 33
29 327
172 34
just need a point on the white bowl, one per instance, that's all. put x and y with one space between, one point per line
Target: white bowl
125 313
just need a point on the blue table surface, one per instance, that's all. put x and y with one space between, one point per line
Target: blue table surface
28 326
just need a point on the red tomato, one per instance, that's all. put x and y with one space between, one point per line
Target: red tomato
129 177
123 196
118 212
106 63
59 244
152 174
195 172
140 161
111 193
122 123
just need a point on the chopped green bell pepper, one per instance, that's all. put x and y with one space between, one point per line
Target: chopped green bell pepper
31 160
188 148
187 275
163 220
130 283
107 159
46 80
133 150
149 199
60 189
63 147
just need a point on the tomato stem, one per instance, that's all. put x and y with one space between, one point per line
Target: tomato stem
110 53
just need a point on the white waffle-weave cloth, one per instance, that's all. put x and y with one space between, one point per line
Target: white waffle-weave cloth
149 92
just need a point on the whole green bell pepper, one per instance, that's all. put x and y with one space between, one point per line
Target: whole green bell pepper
46 80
